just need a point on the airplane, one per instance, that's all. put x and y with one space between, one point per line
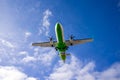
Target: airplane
61 45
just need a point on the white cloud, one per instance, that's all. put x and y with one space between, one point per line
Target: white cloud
72 71
45 56
12 36
45 22
27 34
23 53
12 73
31 78
28 59
7 48
112 73
6 43
76 70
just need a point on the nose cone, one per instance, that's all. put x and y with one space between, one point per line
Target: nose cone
58 26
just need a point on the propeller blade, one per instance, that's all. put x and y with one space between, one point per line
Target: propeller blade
72 37
50 38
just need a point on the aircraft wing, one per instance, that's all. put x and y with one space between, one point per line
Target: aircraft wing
78 41
44 44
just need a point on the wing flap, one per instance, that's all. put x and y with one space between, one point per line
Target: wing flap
78 41
44 44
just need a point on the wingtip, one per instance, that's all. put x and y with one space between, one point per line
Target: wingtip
33 44
92 39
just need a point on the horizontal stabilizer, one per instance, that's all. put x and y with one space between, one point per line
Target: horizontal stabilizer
68 54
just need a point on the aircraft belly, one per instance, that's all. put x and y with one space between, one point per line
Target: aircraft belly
61 47
59 33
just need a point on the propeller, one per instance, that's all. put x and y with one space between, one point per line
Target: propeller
72 37
50 38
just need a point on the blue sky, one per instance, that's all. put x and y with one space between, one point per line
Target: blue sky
25 21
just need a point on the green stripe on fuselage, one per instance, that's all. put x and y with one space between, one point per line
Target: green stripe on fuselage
61 46
59 33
